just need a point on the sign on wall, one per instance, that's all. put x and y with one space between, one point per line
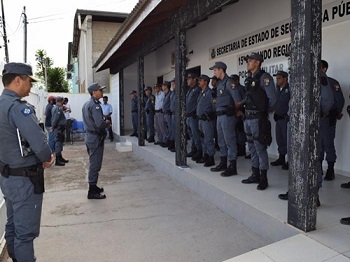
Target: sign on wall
333 13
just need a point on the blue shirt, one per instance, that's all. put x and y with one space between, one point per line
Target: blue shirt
93 116
172 101
191 99
159 100
338 95
327 99
134 107
106 109
48 115
166 102
205 104
283 97
226 94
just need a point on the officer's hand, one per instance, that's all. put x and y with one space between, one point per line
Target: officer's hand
239 113
108 124
49 164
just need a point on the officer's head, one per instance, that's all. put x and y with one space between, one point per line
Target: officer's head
254 61
65 100
214 81
96 90
148 90
18 77
191 79
219 69
203 81
133 94
281 78
235 79
105 99
166 86
324 66
59 100
173 86
51 100
157 88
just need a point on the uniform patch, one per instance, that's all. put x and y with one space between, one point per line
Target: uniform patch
97 107
203 94
233 86
266 81
27 111
221 92
336 87
286 91
214 101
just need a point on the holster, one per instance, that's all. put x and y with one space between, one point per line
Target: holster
265 137
38 180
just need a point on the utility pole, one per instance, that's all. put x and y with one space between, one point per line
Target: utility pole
25 33
5 36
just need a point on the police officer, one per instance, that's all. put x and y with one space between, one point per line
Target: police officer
51 102
21 167
214 82
58 125
281 117
134 112
172 109
259 100
241 137
95 135
206 114
196 152
159 115
226 98
334 115
167 113
150 111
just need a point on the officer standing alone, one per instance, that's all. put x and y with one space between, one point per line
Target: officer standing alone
95 135
260 99
58 125
21 167
281 117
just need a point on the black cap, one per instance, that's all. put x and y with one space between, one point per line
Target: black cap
219 65
215 78
19 69
148 88
204 77
281 73
234 77
157 85
167 83
192 75
95 87
255 56
133 92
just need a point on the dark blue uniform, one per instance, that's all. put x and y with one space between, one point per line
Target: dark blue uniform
134 114
167 115
58 124
23 202
48 116
241 137
172 110
192 120
150 111
281 118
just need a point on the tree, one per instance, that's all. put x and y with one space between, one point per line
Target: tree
56 80
43 62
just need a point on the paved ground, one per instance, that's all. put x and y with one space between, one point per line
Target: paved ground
146 216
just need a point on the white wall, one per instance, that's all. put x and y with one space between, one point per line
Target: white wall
113 99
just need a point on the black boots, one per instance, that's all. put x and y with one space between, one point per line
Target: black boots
198 156
95 192
280 161
330 172
222 165
254 178
59 162
263 184
171 145
203 159
210 161
63 160
151 139
192 153
231 170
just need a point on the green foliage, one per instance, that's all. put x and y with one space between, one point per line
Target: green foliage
55 80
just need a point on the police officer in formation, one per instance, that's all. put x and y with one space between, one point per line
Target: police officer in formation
214 82
196 152
21 167
241 137
206 114
159 115
150 111
167 113
281 117
134 112
335 114
259 100
171 147
226 98
58 125
51 102
95 125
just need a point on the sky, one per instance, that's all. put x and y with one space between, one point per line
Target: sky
50 26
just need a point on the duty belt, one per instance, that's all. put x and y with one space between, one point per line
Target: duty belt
221 112
204 118
21 171
159 111
252 114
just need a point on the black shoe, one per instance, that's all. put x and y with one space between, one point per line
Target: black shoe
63 160
248 157
345 185
330 172
197 156
95 195
59 163
283 196
133 134
203 159
254 178
192 153
166 144
285 166
345 221
173 150
263 184
222 165
98 189
318 203
151 139
279 162
210 161
231 170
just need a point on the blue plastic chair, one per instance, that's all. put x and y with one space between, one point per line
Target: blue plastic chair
77 128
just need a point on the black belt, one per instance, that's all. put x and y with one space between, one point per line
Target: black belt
93 132
134 111
221 113
253 115
168 112
21 171
159 111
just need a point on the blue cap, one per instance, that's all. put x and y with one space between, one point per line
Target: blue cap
167 83
95 87
281 73
19 69
59 98
219 65
204 77
254 56
191 75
